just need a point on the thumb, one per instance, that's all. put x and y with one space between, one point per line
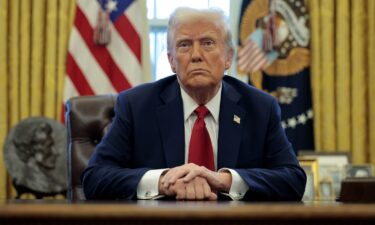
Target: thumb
213 197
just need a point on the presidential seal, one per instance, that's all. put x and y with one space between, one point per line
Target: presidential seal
278 30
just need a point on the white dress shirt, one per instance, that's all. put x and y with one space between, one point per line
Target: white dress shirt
148 187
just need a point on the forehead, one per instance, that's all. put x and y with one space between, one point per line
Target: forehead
198 29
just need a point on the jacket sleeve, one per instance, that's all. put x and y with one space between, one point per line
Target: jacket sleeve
281 178
109 174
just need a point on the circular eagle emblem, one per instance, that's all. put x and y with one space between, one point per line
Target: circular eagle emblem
274 38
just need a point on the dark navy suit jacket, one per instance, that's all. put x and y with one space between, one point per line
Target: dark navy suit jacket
148 133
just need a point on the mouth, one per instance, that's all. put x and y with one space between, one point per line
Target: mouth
198 71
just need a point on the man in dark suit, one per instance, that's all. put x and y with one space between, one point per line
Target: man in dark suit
160 145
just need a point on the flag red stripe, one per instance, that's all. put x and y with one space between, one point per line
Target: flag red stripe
256 55
62 113
129 34
76 76
258 63
101 54
251 57
246 48
247 54
258 58
261 65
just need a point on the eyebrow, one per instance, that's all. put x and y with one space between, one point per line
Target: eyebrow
183 39
207 35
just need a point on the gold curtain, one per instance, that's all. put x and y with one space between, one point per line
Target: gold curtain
33 46
343 76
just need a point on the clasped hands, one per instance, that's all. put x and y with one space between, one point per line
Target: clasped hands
193 182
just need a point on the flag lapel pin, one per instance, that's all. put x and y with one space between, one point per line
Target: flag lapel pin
236 119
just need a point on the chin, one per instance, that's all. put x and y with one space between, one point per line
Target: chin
200 86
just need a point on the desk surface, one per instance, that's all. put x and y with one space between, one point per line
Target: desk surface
159 212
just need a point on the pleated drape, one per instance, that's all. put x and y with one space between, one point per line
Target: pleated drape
33 46
371 78
3 92
327 75
343 79
315 68
25 51
359 99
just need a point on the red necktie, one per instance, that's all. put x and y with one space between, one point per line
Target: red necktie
200 148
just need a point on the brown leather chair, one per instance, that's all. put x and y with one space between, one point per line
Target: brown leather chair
87 120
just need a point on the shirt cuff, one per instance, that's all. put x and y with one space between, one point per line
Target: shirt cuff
148 186
238 188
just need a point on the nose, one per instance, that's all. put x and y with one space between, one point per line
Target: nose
196 55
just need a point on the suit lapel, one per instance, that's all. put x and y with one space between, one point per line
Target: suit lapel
231 120
171 124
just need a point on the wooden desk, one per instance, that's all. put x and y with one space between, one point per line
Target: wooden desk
171 213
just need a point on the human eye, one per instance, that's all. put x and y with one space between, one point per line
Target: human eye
208 43
183 44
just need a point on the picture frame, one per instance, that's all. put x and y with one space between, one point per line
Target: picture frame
339 158
310 166
331 169
358 170
326 189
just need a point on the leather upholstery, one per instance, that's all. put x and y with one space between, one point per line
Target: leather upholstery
87 120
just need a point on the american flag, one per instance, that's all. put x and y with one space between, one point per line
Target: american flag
105 46
251 56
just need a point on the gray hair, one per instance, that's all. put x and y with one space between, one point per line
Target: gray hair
186 14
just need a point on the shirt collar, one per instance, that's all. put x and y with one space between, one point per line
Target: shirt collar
190 105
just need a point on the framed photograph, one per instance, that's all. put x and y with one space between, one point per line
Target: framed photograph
326 190
358 170
331 170
310 166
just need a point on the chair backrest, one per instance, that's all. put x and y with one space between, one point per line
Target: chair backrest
87 120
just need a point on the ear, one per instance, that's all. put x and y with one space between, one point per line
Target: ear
229 60
171 62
